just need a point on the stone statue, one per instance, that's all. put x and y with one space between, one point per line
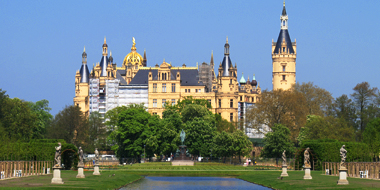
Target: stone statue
183 136
343 155
80 154
57 156
284 158
307 158
96 156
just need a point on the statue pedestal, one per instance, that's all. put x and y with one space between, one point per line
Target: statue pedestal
307 173
80 171
342 176
96 170
284 171
57 176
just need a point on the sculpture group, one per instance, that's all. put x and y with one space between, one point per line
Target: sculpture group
307 166
58 166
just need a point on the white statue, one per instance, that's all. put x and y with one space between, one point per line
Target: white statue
343 155
57 156
307 158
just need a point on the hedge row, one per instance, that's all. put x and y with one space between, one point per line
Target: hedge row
34 150
329 151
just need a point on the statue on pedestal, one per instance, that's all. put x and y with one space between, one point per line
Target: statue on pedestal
307 158
284 158
57 156
183 136
96 156
343 155
80 154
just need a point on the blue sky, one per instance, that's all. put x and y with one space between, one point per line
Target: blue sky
42 41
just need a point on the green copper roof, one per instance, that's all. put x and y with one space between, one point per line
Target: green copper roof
242 80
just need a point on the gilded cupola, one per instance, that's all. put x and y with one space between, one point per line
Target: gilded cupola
133 57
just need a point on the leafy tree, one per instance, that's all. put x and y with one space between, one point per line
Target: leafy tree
343 107
97 133
277 141
188 101
363 97
41 109
199 136
242 145
132 131
318 127
223 145
279 107
371 136
69 124
18 120
223 124
318 100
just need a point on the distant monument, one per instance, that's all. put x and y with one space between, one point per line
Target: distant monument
57 167
342 167
80 164
307 164
182 160
284 165
96 166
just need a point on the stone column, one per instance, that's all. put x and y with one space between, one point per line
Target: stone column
57 175
307 173
96 169
342 176
284 171
80 170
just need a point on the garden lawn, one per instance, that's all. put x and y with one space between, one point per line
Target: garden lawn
104 181
296 181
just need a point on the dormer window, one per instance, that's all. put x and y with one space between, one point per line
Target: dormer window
283 49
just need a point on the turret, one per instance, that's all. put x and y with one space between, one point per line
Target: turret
104 61
226 64
84 73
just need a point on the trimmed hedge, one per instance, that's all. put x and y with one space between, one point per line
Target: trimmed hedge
328 150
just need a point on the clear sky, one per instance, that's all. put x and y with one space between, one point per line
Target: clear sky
42 41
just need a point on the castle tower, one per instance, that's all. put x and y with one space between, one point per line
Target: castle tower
284 54
227 88
82 85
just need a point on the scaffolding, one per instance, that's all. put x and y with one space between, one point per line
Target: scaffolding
112 94
94 95
205 75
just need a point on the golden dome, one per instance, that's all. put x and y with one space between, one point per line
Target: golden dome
133 57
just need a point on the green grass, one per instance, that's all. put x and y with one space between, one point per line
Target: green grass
127 174
296 181
71 182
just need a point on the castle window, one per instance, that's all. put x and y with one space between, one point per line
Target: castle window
199 90
220 103
154 113
231 117
283 68
163 102
209 101
173 102
164 87
188 90
241 98
196 90
231 103
253 99
173 87
283 77
185 90
283 49
154 87
230 81
154 103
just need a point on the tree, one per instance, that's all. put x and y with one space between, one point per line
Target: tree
199 136
242 145
277 141
97 133
223 124
132 131
343 107
188 101
371 136
41 109
363 97
18 120
318 127
279 107
318 100
69 124
223 145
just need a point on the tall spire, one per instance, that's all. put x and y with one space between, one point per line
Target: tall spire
84 56
226 64
212 58
284 19
144 59
105 47
84 73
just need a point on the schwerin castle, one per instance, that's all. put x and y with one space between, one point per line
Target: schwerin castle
108 86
